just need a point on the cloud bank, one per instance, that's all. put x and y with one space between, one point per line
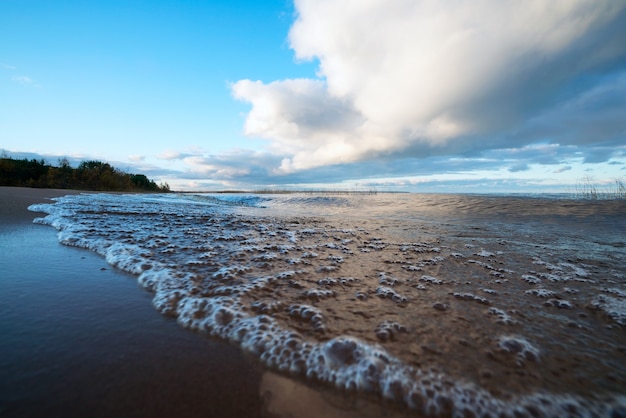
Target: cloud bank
425 78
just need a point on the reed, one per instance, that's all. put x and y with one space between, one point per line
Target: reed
586 188
316 191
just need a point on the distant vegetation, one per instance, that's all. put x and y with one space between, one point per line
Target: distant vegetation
89 175
587 189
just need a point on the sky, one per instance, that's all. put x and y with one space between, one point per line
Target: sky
400 95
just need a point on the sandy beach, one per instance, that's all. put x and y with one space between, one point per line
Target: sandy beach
510 306
80 338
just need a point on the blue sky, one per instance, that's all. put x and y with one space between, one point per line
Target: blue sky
474 96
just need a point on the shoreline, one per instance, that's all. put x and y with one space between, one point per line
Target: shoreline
15 202
51 303
81 338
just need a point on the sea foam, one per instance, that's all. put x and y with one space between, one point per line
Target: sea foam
224 267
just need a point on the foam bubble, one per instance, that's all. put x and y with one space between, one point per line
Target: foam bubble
317 294
388 329
519 346
503 317
531 279
225 270
559 303
431 280
389 293
541 293
387 280
612 307
471 297
309 314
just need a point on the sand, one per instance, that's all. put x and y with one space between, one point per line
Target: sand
80 338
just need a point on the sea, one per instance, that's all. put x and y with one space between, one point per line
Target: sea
446 305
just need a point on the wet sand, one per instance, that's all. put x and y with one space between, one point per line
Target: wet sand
498 311
80 338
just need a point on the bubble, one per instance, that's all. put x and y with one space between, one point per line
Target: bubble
309 314
395 389
613 308
266 306
388 329
471 297
223 316
317 294
541 293
503 317
386 280
389 293
348 281
440 306
341 351
223 273
559 303
519 346
431 280
416 400
361 295
327 282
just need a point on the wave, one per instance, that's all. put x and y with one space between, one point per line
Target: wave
227 199
443 325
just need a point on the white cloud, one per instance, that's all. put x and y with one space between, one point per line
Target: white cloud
136 158
171 155
430 77
299 115
22 79
26 81
206 166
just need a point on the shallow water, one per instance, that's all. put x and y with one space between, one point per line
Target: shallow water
78 339
444 304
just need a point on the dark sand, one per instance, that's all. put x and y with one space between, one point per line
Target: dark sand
79 338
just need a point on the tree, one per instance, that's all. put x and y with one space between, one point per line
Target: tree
90 175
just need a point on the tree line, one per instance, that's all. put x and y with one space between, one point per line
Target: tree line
89 175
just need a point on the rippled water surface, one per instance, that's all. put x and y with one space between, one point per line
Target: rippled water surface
446 304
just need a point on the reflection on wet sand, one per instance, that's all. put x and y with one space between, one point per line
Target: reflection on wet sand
284 397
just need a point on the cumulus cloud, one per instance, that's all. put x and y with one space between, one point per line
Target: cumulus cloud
299 115
423 78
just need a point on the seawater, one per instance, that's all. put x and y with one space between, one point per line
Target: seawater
450 305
